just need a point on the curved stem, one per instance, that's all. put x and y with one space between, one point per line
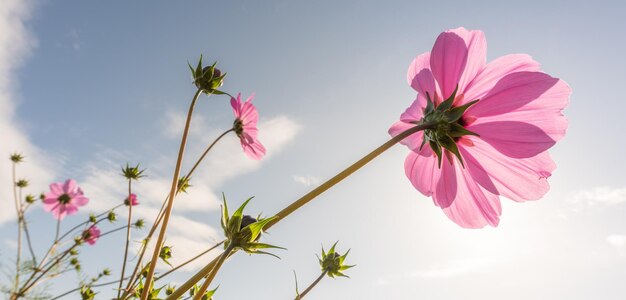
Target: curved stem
209 279
170 202
89 285
87 222
308 197
308 289
128 229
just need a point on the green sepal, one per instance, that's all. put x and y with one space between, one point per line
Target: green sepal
456 113
449 144
257 227
234 223
430 105
445 105
263 252
199 68
457 131
224 213
437 149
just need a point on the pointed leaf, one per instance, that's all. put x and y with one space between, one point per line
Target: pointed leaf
266 253
456 113
437 149
430 106
257 227
457 131
445 105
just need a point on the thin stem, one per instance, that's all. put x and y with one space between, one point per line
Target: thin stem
134 279
308 197
87 222
170 202
18 209
28 240
308 289
188 261
128 229
89 285
217 267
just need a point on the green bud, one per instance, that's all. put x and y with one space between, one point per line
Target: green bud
333 263
17 158
166 254
22 183
30 199
170 289
183 184
74 252
106 272
139 223
112 216
92 218
207 79
132 173
87 293
74 261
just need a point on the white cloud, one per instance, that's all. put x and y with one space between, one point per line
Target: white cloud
16 45
616 240
598 197
308 180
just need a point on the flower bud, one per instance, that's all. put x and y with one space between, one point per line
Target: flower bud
17 158
22 183
30 199
112 216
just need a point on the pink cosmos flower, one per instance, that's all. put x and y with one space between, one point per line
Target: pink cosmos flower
133 200
245 126
91 235
64 199
496 146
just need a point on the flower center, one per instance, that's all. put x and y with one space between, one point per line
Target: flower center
447 126
64 199
238 127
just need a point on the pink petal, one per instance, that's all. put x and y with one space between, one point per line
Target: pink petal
487 78
514 139
71 209
420 77
544 112
447 61
236 105
476 55
80 200
254 150
517 179
69 186
413 141
414 112
470 206
422 171
56 189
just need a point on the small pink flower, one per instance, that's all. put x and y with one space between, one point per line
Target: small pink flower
133 200
517 118
245 126
91 235
64 199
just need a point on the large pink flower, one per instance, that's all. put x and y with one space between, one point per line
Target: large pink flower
64 199
91 235
246 118
498 147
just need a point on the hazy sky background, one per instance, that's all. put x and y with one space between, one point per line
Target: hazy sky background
86 86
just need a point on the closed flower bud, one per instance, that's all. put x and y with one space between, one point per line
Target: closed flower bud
17 157
30 199
112 216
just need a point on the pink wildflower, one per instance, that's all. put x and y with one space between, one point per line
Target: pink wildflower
64 199
498 146
133 200
91 235
245 126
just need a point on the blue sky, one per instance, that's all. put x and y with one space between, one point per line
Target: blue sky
87 86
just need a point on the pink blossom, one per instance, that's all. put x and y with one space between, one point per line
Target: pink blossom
133 200
64 199
517 118
91 235
245 126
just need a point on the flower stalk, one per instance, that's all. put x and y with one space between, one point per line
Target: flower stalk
306 198
170 202
218 265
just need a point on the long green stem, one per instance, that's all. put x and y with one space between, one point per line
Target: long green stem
308 289
18 209
217 267
306 198
170 202
134 280
128 229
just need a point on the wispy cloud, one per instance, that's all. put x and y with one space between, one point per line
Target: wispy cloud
308 180
598 197
16 45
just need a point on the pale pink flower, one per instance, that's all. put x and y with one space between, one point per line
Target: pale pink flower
91 235
64 199
517 118
133 200
246 118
